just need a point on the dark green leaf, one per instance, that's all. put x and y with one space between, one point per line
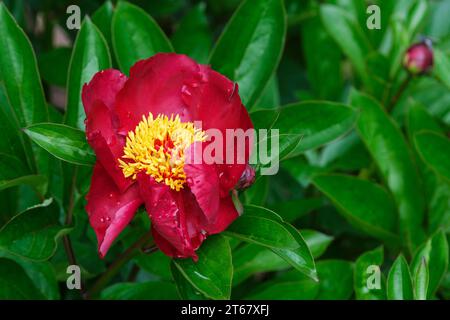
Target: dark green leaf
264 227
136 36
250 258
323 59
33 233
388 148
289 286
250 47
442 67
335 280
193 36
90 54
364 204
399 283
435 151
19 72
140 291
421 278
42 274
368 276
318 122
102 18
212 273
185 289
347 33
15 283
65 143
435 254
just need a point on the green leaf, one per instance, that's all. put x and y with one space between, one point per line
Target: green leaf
193 36
318 121
65 143
335 280
288 286
12 142
102 18
270 98
368 274
14 173
390 152
250 47
434 149
33 233
367 206
421 278
250 258
19 72
442 67
264 119
185 289
264 227
15 283
399 283
317 242
291 210
323 59
347 33
136 36
435 254
281 146
157 264
90 54
140 291
212 273
42 274
437 189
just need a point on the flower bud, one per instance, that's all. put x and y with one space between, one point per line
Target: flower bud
247 178
419 58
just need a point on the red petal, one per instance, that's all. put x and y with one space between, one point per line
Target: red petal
98 99
203 181
156 85
227 213
177 220
109 210
107 144
103 87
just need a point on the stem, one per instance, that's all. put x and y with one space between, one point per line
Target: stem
399 93
68 222
69 219
117 264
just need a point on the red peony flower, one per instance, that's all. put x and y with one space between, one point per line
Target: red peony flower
144 134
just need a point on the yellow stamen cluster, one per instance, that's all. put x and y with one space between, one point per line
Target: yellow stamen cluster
157 147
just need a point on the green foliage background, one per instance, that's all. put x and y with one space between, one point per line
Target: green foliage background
365 173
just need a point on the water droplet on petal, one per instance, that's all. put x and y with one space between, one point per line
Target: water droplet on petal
108 219
185 90
102 220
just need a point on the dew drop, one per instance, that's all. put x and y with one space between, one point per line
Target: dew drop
102 220
108 219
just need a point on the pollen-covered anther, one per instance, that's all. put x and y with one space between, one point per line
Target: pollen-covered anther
157 147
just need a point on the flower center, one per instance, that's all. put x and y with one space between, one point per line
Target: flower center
157 147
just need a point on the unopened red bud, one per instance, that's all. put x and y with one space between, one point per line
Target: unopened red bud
419 58
247 178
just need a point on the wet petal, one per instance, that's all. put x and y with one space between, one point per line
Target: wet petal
109 210
155 86
177 220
